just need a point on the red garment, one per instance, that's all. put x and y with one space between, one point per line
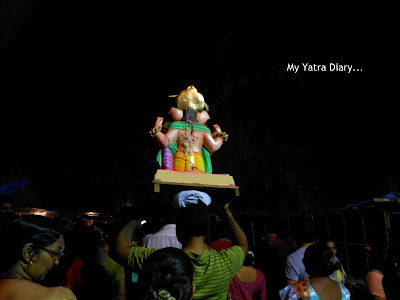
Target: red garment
221 244
74 275
239 290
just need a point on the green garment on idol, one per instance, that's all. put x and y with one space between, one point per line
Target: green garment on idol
173 147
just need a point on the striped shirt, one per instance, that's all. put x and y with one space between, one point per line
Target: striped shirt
213 270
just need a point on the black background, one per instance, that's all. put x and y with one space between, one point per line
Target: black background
83 83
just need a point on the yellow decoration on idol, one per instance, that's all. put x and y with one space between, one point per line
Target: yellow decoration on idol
191 99
193 162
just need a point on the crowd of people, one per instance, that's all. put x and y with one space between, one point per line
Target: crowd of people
186 255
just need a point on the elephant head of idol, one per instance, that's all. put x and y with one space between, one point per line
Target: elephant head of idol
190 103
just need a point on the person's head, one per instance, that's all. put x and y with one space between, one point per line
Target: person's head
34 243
166 214
318 261
91 239
6 204
272 227
192 221
220 228
249 259
167 270
378 255
306 232
331 245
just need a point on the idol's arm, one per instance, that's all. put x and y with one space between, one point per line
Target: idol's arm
168 138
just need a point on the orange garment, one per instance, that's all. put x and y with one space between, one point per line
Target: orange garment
193 162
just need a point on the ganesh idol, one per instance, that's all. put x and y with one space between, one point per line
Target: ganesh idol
188 143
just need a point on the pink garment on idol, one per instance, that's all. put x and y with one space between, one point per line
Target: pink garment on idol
239 290
165 237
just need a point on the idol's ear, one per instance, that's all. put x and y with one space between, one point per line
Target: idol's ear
206 106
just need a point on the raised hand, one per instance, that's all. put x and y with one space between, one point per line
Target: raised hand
159 121
216 128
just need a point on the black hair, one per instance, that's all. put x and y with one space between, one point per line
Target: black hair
89 240
391 278
306 232
167 213
318 260
378 254
192 220
168 269
272 227
38 230
324 240
170 215
220 227
249 260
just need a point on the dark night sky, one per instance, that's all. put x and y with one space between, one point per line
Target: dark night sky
82 80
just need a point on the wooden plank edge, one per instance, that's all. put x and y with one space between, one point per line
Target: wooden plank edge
231 186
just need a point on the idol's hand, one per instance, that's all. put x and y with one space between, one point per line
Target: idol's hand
159 122
216 128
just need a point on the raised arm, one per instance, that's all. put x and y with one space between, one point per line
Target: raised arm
213 143
165 139
120 249
239 234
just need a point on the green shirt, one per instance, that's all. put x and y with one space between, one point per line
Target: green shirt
213 270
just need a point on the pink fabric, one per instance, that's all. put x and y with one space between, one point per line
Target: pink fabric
165 237
374 280
240 290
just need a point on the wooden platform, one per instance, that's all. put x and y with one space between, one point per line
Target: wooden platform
220 181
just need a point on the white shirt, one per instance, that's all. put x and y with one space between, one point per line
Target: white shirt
165 237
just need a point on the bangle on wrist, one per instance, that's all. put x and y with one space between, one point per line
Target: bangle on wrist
155 130
220 134
237 224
